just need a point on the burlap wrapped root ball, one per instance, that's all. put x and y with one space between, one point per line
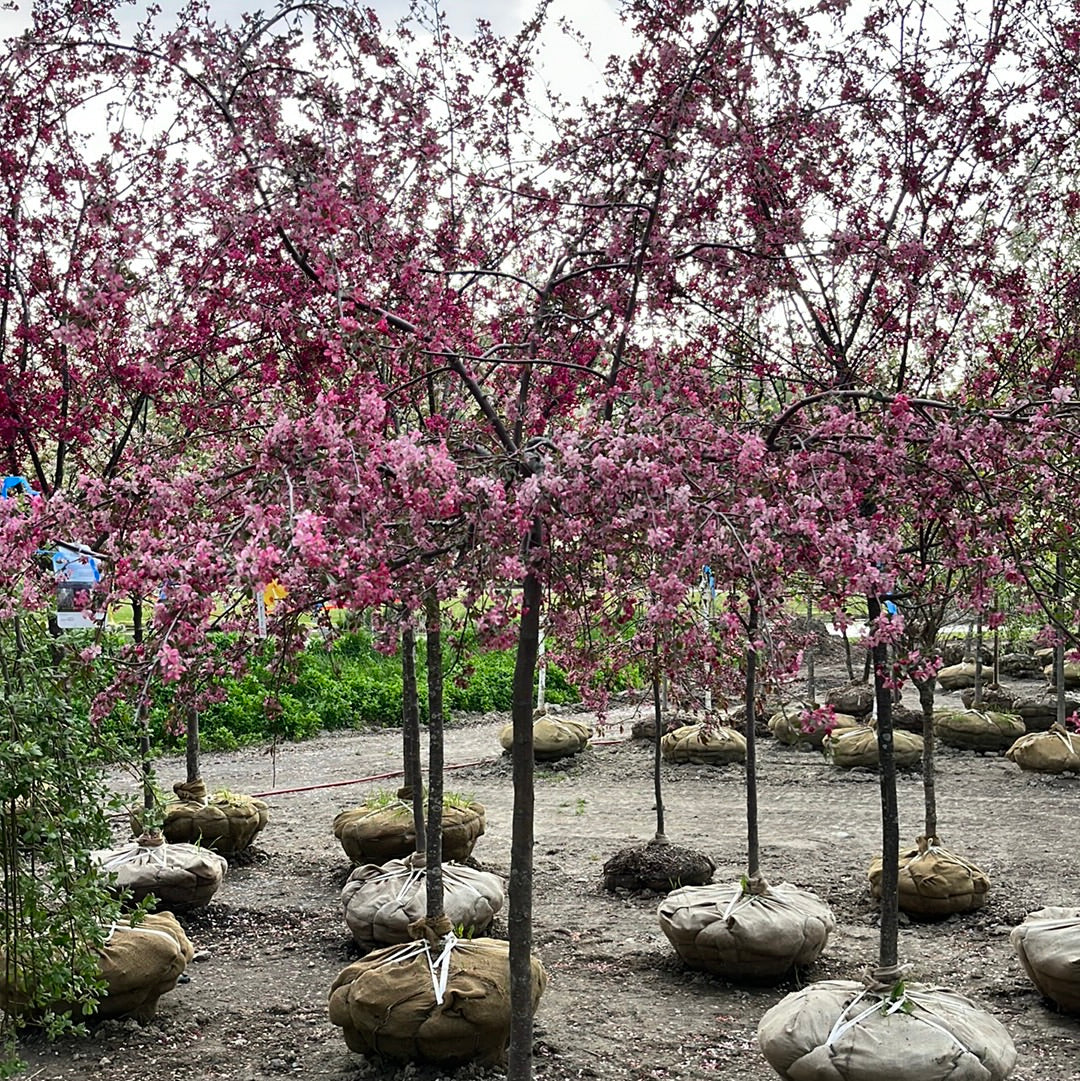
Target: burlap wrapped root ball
855 699
137 964
788 727
977 729
553 738
1070 673
1054 751
226 822
733 932
697 744
421 1003
955 677
381 902
853 747
377 834
934 881
141 963
1048 945
177 876
839 1030
994 697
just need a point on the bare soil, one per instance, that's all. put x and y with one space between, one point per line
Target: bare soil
619 1004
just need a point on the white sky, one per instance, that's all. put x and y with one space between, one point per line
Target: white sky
564 67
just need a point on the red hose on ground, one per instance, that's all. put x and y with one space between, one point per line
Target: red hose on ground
398 773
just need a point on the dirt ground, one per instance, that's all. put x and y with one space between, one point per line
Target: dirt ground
619 1004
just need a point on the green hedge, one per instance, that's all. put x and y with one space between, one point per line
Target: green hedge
346 684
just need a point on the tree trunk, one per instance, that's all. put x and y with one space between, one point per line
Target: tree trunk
519 917
811 679
1059 645
752 848
434 874
657 735
926 703
191 746
410 735
978 700
890 816
142 718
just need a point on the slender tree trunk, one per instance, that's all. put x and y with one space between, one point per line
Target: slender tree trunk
434 873
410 734
1059 645
658 714
978 701
890 815
926 703
191 746
811 680
519 918
142 717
847 655
752 847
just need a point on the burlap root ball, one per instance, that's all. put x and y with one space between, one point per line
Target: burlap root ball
853 747
226 822
714 747
553 738
955 677
1054 751
839 1030
855 699
1048 945
977 729
137 964
741 935
141 963
375 835
658 866
179 877
994 697
1071 673
1039 711
386 1003
934 881
787 727
381 902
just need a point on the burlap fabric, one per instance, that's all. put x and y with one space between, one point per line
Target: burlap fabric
1055 751
855 699
138 965
994 697
1039 711
553 738
744 934
858 747
787 728
382 902
226 822
692 743
934 881
977 729
141 963
1071 673
839 1030
375 835
954 677
1048 945
177 876
424 1002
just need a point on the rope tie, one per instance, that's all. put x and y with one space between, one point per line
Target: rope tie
192 791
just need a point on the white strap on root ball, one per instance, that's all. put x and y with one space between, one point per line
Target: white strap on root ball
382 902
742 935
446 1002
1048 945
934 881
178 876
840 1030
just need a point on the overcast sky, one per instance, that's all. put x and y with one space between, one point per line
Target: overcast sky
564 67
